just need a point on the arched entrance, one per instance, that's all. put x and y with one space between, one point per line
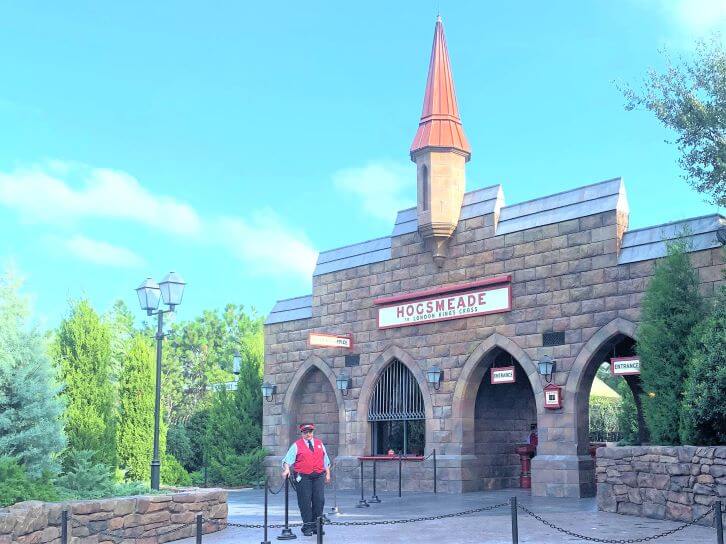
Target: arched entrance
493 418
312 397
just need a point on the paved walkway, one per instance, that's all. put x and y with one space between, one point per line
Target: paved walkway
493 527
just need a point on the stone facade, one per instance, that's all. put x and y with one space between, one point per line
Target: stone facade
139 517
565 276
677 483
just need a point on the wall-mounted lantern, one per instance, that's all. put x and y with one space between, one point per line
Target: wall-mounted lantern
547 367
433 376
343 383
268 391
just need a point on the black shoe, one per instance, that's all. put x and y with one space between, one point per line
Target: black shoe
307 532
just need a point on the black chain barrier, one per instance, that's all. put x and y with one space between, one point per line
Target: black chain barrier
614 540
282 484
412 520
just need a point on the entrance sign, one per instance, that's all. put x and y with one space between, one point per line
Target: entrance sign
451 302
504 374
624 366
322 340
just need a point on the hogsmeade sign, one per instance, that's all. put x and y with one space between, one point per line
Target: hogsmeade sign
489 296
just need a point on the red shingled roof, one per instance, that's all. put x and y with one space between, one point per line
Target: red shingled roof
440 125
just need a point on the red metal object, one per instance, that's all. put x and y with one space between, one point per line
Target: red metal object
440 124
526 452
553 397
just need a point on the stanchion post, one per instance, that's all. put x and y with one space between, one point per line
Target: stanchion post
319 529
718 521
286 533
264 535
374 497
400 466
434 470
362 502
64 526
200 529
334 508
515 528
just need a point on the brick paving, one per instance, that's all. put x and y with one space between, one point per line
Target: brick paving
579 515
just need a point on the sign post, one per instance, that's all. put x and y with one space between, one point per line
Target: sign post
624 366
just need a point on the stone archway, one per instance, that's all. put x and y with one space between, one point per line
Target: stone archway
390 354
490 419
313 396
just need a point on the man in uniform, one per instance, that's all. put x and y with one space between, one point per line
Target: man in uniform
311 466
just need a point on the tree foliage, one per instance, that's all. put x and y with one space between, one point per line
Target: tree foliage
135 429
690 99
30 428
671 308
703 414
83 358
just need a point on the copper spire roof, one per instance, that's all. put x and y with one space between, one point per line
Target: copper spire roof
440 125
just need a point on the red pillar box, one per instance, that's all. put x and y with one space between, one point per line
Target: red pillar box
526 452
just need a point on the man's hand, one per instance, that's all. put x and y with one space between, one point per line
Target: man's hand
286 472
327 477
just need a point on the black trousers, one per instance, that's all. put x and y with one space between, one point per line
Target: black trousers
311 497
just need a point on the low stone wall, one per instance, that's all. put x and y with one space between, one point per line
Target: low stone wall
662 482
139 517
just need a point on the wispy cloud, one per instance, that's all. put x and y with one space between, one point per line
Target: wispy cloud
382 187
103 253
266 244
695 17
48 194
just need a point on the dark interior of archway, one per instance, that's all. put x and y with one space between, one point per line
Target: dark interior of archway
618 346
315 402
503 414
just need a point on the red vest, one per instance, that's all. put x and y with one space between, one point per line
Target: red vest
306 461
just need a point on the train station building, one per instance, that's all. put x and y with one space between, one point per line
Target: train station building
472 320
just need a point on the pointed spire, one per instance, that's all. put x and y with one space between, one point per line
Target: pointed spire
440 125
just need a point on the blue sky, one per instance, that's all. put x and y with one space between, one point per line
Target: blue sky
232 142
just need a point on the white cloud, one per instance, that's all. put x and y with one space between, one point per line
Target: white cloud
45 194
103 253
382 187
266 244
694 16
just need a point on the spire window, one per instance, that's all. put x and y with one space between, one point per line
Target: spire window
425 189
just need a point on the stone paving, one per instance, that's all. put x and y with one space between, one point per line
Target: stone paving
494 527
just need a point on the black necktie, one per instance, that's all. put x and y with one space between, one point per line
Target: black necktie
310 445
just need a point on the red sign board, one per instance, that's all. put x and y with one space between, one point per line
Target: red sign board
323 340
450 302
624 366
552 397
503 374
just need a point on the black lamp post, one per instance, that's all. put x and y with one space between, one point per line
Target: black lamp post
171 290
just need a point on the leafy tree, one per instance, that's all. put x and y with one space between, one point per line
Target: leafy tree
671 308
135 429
196 430
30 427
703 415
627 414
120 322
173 473
690 99
178 444
83 357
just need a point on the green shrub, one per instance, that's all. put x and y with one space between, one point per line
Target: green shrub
197 478
128 489
703 411
627 415
179 445
173 473
604 415
239 469
83 478
16 485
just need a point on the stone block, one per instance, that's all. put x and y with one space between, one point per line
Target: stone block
679 512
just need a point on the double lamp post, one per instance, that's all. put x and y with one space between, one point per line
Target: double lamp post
170 290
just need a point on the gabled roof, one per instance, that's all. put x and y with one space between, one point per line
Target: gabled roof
440 124
291 309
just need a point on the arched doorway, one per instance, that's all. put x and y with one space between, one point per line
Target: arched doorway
313 398
503 416
396 413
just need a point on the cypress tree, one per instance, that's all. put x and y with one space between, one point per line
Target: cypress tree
672 307
83 357
135 429
703 415
30 426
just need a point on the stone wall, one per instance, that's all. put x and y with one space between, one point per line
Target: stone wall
130 517
662 482
316 403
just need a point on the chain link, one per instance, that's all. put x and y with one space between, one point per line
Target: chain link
413 520
615 540
278 489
